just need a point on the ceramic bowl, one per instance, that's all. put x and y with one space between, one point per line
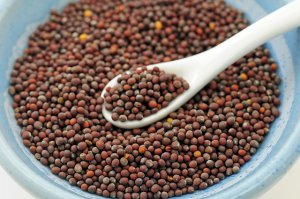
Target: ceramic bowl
279 150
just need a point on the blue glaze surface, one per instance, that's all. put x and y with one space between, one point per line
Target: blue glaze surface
279 150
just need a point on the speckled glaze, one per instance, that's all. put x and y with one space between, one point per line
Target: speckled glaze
18 18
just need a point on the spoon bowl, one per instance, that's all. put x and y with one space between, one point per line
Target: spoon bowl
177 67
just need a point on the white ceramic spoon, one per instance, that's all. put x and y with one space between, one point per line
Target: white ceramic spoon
200 69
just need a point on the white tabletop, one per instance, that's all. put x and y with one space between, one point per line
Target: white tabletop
287 187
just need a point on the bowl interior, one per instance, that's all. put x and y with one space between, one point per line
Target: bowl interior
18 19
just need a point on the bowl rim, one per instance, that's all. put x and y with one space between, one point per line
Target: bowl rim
35 184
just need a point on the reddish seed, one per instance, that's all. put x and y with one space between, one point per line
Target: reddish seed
273 67
104 154
84 187
239 106
89 157
152 104
86 124
101 24
168 148
251 73
90 174
126 87
199 31
193 164
113 49
142 149
262 110
235 87
155 188
121 8
73 121
203 106
81 146
242 152
131 81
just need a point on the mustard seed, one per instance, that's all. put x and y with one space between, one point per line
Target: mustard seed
56 88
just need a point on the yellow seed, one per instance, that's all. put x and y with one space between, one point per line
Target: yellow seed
244 76
60 100
197 154
83 37
249 101
87 13
170 178
212 26
158 25
170 120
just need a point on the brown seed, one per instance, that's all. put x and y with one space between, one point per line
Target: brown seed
193 164
155 188
81 146
131 81
124 161
78 168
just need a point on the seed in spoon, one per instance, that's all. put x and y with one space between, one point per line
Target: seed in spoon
142 93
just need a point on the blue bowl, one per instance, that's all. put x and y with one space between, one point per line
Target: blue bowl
279 150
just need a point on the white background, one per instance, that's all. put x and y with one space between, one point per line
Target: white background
286 188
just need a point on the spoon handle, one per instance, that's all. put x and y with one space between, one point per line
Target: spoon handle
276 23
